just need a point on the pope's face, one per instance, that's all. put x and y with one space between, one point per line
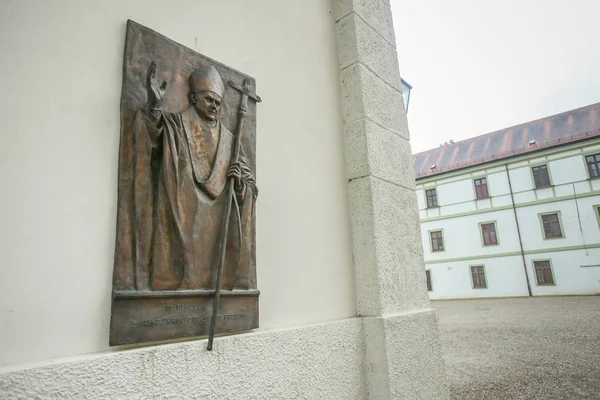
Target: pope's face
207 105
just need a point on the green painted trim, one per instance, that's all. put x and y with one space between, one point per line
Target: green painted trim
431 241
479 204
451 180
596 210
471 258
560 225
551 271
437 199
518 205
525 157
495 222
495 170
584 154
598 147
466 213
430 279
432 210
487 185
484 276
548 169
568 153
500 195
515 253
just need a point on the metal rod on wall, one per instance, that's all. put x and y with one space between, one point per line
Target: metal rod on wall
512 198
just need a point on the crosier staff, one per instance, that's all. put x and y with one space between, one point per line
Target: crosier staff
245 91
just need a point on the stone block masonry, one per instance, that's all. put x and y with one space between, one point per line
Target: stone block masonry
403 353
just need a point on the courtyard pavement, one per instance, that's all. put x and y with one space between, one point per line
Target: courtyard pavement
541 348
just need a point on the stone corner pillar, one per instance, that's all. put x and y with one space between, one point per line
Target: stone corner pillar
403 351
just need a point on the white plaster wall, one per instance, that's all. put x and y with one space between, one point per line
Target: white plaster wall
505 273
458 208
563 154
421 200
505 277
433 212
455 192
582 187
499 182
565 190
501 201
569 276
462 235
61 76
524 197
531 228
589 220
483 204
568 170
544 193
520 179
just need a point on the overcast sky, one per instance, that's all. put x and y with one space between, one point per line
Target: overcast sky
478 65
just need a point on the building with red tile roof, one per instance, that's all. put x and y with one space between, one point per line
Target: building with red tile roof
515 212
556 130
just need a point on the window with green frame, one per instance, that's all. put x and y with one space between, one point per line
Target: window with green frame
478 277
543 272
428 277
541 177
593 165
552 228
488 232
437 241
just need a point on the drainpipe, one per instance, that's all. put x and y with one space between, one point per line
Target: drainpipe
512 197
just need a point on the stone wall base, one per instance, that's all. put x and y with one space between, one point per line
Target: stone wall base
404 357
323 361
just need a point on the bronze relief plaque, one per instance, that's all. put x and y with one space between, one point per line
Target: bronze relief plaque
185 261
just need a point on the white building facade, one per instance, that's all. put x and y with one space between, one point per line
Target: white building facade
344 311
523 221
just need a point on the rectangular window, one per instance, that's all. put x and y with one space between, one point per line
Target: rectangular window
481 189
431 198
488 231
428 275
437 241
551 225
543 272
478 275
593 164
541 177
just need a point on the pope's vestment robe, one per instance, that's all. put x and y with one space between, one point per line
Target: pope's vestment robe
180 197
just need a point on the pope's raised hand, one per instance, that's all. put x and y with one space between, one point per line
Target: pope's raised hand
155 93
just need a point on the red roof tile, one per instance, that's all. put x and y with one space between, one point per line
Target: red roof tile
570 126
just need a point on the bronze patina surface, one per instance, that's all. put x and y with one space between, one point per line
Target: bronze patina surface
186 163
